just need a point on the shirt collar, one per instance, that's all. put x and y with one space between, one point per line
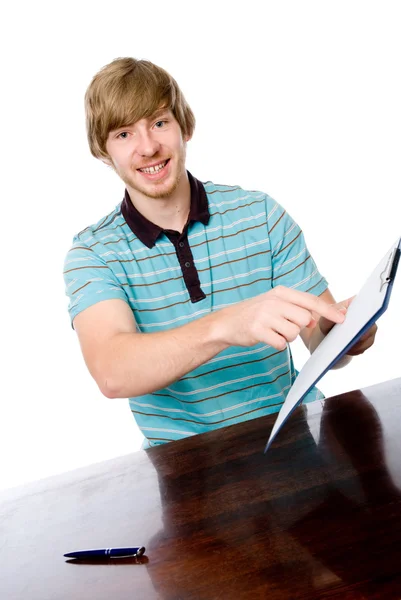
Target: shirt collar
147 232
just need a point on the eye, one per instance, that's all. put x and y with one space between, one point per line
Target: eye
160 124
123 135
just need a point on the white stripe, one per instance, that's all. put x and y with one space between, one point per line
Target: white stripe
78 298
273 210
80 259
285 235
239 276
150 274
222 185
182 318
90 280
304 280
149 250
227 356
168 430
108 236
236 200
112 287
227 383
111 252
86 240
150 300
287 262
129 251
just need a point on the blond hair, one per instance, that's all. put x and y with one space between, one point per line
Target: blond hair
127 90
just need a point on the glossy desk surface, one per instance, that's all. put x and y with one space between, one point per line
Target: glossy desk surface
318 516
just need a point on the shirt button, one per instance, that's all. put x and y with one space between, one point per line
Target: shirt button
187 264
181 244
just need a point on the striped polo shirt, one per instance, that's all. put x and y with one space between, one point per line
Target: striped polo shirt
236 244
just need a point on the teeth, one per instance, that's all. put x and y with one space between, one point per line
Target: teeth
155 169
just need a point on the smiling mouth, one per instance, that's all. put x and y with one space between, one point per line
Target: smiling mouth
155 168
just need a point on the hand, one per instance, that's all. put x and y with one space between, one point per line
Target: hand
275 318
365 342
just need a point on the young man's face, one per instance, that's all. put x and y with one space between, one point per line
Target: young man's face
149 156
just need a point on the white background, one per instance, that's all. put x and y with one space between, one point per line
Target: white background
299 99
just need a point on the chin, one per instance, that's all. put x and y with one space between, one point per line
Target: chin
160 190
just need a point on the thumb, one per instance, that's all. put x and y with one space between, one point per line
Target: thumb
325 325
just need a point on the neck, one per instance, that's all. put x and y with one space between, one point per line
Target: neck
170 212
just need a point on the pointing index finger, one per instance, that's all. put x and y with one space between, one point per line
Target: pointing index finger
312 303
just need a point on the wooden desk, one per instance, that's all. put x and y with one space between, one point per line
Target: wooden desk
318 516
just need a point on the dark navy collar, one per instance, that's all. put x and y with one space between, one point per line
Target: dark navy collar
147 232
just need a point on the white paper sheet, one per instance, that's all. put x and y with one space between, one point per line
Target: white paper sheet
364 310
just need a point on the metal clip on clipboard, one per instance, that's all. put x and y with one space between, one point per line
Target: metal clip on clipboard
365 309
391 268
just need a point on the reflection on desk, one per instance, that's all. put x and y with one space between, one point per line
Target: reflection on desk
318 516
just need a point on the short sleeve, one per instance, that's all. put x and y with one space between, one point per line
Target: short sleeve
88 279
292 264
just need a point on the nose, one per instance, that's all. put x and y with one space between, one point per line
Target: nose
147 145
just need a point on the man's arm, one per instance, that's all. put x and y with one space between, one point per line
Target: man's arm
126 363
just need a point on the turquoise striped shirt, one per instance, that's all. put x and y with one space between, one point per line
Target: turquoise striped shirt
248 245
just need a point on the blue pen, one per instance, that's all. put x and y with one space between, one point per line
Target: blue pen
107 553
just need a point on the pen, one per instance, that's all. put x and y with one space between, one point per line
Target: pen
107 553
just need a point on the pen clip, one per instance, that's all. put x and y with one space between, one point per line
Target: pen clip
389 271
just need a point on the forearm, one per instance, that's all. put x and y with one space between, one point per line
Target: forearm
143 363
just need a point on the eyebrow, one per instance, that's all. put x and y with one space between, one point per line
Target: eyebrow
157 114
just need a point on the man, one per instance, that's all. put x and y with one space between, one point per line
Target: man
185 296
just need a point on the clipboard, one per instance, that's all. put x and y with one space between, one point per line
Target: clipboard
365 309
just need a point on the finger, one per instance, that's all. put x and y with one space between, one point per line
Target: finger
311 303
370 333
361 346
288 330
297 315
312 324
326 324
274 340
347 302
365 342
358 349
